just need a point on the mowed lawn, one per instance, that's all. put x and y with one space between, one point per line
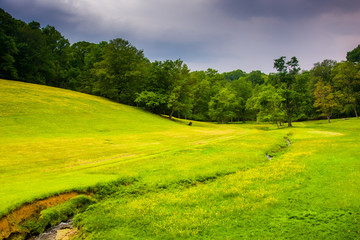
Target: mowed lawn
207 181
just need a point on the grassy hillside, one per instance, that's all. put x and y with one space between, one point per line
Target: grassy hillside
206 181
54 140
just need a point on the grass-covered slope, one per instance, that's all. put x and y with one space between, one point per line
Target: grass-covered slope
310 191
54 140
207 181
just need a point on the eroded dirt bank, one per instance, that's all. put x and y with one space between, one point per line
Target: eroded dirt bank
10 224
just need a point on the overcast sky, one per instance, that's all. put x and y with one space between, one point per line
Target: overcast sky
220 34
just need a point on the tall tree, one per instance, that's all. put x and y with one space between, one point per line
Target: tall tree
326 99
234 75
321 72
221 106
201 95
180 90
8 49
59 47
346 79
354 55
151 100
305 107
256 78
34 60
267 102
206 84
243 91
84 56
119 73
167 88
286 80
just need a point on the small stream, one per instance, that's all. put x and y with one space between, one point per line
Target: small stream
289 143
51 233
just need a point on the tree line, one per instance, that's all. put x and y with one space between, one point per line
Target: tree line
117 70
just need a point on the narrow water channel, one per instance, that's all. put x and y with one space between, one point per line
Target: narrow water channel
51 233
289 143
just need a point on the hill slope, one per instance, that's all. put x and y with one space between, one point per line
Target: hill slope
54 140
204 181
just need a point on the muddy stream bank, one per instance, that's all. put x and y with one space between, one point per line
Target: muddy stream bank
62 231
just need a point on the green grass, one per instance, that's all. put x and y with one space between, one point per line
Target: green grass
54 140
207 181
311 191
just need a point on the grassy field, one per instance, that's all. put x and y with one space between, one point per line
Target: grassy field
205 181
310 191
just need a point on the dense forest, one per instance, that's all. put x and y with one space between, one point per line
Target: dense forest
117 70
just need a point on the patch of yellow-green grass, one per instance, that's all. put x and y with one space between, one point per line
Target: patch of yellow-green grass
54 140
207 181
311 191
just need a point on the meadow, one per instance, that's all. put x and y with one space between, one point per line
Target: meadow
160 179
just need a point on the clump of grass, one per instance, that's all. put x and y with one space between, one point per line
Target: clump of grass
103 190
54 215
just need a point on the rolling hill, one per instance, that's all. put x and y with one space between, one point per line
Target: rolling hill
204 181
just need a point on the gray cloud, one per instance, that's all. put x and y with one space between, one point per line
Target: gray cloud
221 34
37 11
285 9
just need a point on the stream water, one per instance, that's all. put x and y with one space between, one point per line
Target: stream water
51 233
289 143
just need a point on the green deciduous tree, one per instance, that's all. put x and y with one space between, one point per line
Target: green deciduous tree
286 81
267 101
34 60
326 100
321 72
354 55
221 106
346 80
150 100
180 88
59 49
243 91
234 75
256 78
8 50
119 73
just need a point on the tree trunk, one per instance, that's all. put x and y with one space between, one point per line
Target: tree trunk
356 114
277 124
171 114
57 84
289 122
328 118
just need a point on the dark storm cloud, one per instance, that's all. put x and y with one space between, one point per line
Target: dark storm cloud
221 34
35 11
169 50
286 9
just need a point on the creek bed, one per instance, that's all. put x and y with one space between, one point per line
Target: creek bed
52 233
